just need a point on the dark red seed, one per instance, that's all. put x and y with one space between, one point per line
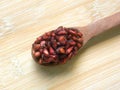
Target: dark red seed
69 36
51 50
53 56
73 32
50 60
62 39
41 50
79 45
49 44
59 28
48 33
70 55
54 44
36 46
76 48
62 32
42 43
45 51
80 40
39 38
61 50
37 41
53 34
67 46
40 61
37 54
45 37
69 50
74 38
71 42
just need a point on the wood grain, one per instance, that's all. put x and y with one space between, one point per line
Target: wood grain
97 65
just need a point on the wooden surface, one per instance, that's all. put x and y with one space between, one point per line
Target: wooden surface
97 65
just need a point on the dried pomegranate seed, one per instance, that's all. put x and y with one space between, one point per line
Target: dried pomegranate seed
54 44
71 42
36 46
39 38
70 55
45 37
51 50
69 50
37 54
42 43
62 32
79 45
37 41
59 28
62 39
48 33
53 34
73 32
80 40
61 50
45 51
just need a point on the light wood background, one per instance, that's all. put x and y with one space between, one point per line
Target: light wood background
97 65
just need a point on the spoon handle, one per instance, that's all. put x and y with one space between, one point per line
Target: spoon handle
104 24
100 26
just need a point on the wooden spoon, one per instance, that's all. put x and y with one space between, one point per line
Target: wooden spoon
58 46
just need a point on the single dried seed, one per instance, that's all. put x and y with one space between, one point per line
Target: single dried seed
54 44
48 33
45 37
51 50
69 50
79 45
61 50
53 34
37 41
39 38
76 48
70 55
73 32
62 39
49 44
62 32
41 50
36 46
69 36
80 40
42 43
71 42
45 51
59 28
74 38
53 56
37 54
40 61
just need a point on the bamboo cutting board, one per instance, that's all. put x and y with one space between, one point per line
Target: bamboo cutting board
97 65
